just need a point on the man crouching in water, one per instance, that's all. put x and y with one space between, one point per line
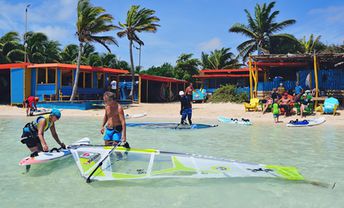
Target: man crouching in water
115 122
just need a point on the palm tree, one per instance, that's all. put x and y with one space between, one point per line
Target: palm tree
261 29
186 67
309 45
138 20
219 59
109 60
90 22
69 54
10 48
42 50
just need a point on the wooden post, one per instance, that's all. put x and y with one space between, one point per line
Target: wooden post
139 92
147 91
256 80
170 92
250 76
316 79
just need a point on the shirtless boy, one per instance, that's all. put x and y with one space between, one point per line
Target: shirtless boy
114 120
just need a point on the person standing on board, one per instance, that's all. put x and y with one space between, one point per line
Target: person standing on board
188 91
114 120
30 104
33 133
185 108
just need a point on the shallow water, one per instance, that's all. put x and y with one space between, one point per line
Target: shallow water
316 151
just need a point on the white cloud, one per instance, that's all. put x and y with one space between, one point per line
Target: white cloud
210 45
55 32
333 14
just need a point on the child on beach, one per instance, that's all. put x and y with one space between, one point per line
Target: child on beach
275 110
114 120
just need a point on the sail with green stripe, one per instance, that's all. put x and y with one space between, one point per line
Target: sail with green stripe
133 164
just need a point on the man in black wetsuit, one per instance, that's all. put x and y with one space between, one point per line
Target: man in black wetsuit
185 108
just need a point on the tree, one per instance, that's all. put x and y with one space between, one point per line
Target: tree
42 50
165 70
186 67
308 46
261 30
69 54
10 48
334 48
137 21
109 60
219 59
90 22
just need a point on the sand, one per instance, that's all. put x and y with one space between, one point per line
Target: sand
169 112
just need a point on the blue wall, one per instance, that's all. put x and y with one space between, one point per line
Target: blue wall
17 86
329 79
45 89
50 89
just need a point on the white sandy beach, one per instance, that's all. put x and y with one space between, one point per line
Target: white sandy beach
206 112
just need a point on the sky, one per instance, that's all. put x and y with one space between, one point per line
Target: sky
187 26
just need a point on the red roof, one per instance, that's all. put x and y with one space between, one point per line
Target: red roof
211 71
221 76
63 66
82 67
13 65
161 79
277 64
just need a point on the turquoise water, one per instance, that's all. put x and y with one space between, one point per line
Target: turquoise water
317 152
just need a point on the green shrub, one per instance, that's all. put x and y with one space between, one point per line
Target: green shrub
227 93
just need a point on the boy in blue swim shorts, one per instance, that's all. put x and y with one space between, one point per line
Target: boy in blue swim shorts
114 120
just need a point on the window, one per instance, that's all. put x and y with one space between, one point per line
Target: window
51 76
67 77
41 76
100 78
46 76
85 80
81 80
88 79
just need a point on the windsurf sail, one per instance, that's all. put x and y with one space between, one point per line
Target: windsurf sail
156 125
131 164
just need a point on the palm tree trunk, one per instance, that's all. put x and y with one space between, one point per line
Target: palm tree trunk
75 86
132 71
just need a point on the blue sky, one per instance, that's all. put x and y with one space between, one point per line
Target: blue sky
187 26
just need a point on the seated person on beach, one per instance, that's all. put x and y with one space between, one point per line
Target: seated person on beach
298 89
275 95
185 108
33 133
275 110
281 89
305 100
30 104
285 102
268 102
114 120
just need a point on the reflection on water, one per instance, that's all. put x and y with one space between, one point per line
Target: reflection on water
317 152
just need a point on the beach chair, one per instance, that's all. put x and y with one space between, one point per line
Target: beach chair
330 106
308 110
253 105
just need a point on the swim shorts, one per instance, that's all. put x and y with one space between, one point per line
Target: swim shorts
113 134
